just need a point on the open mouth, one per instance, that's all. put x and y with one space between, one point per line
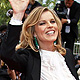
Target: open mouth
50 32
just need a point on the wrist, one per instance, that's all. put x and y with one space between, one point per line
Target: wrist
18 16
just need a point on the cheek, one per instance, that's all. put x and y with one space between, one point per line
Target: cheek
56 29
39 30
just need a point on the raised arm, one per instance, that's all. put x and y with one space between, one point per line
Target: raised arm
19 7
11 39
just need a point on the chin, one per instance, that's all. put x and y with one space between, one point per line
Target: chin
52 40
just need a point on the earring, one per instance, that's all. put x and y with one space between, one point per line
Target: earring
54 42
36 43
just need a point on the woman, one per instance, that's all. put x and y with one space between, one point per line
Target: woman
36 56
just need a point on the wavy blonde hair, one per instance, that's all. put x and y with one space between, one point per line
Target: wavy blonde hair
26 38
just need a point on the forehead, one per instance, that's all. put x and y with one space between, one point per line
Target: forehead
47 15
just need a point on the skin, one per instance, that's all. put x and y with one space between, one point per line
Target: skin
78 62
18 8
42 29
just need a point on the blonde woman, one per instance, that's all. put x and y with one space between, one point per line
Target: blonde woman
37 56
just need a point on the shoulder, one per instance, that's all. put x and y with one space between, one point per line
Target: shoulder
26 51
69 57
23 51
70 61
69 54
76 4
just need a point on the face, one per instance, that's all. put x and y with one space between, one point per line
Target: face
46 30
68 3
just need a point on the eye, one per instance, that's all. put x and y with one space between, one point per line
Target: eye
52 21
42 23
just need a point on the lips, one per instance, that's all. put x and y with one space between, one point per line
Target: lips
50 32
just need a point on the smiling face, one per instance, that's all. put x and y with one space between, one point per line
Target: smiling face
46 30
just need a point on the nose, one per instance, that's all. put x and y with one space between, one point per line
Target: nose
49 24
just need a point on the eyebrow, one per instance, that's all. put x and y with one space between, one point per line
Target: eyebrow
45 20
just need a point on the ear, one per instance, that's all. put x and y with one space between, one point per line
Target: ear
35 34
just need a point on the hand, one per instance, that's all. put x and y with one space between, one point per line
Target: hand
11 73
19 7
63 20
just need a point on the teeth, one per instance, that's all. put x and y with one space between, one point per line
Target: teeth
50 32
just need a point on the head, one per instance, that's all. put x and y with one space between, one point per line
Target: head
43 24
68 3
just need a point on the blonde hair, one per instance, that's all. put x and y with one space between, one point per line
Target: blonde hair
26 38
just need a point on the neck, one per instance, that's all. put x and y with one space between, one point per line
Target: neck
47 46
